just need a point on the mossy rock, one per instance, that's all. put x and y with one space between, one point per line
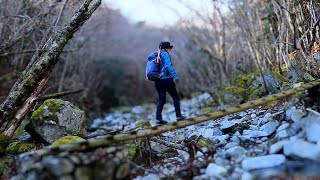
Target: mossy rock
19 147
7 166
143 124
67 140
204 142
55 119
4 142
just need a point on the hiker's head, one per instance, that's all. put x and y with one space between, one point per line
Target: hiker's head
165 45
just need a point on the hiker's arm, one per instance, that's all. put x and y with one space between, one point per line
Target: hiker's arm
168 64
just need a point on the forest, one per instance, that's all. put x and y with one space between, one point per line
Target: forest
74 97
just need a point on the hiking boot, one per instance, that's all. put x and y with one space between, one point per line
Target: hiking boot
161 122
180 118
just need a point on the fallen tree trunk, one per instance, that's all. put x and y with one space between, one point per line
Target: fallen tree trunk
29 81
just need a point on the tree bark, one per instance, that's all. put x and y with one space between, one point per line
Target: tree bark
48 57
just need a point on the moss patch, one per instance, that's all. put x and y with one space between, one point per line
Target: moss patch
67 140
4 141
19 147
143 124
132 150
7 166
49 107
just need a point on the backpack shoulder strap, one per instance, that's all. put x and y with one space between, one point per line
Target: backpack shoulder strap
158 56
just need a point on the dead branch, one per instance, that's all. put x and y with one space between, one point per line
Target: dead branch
57 95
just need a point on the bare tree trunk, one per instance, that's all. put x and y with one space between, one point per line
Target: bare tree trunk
29 81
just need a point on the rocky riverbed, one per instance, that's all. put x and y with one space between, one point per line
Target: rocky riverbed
260 143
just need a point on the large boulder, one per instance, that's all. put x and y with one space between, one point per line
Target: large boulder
56 118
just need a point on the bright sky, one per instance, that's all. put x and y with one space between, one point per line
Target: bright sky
158 12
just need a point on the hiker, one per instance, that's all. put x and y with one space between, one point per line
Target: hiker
166 83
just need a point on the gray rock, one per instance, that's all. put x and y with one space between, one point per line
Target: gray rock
247 176
275 148
270 127
255 134
57 166
217 132
282 134
283 127
214 170
236 153
253 127
56 118
312 127
271 82
230 144
289 113
246 132
227 124
235 139
296 115
137 109
302 149
261 162
151 176
222 139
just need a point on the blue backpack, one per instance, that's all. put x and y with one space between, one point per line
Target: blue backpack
153 69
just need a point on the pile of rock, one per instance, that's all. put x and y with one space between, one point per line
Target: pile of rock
104 163
257 143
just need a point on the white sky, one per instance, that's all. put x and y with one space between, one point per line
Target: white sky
158 12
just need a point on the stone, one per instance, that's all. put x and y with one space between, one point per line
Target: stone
214 170
222 138
261 162
151 176
271 82
67 140
253 127
56 118
270 127
282 134
302 149
83 173
228 124
19 147
296 115
230 145
247 176
246 132
312 127
137 110
57 166
255 134
235 139
122 170
253 116
275 148
289 113
282 127
217 132
236 153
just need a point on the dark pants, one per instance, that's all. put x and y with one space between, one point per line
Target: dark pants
163 86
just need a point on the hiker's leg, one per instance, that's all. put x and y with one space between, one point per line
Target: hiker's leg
161 100
175 97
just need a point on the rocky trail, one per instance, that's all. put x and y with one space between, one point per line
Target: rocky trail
280 141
